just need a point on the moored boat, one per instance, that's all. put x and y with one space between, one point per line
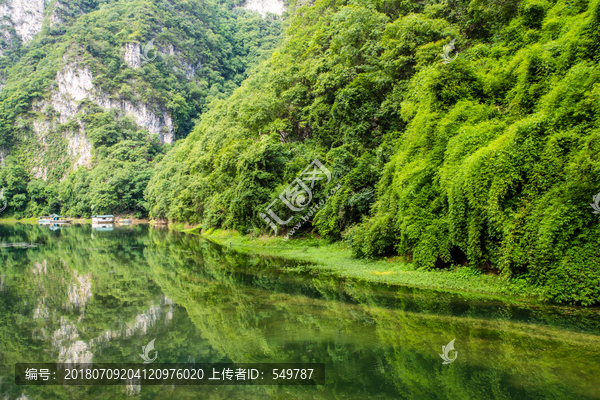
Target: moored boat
53 219
103 219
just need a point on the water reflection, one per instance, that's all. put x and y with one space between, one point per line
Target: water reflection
103 227
94 297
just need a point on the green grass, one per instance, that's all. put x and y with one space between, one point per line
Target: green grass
336 259
12 220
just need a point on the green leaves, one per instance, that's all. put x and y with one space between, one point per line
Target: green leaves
487 161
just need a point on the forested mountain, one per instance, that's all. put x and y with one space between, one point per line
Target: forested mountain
95 91
456 132
486 157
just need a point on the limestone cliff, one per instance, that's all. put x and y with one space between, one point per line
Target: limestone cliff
25 16
74 84
62 63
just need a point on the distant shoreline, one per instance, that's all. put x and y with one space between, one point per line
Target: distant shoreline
81 221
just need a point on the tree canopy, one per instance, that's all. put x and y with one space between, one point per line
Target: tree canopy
489 159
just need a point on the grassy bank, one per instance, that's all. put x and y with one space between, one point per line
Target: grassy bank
11 220
336 259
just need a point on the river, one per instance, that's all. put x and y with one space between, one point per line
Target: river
87 296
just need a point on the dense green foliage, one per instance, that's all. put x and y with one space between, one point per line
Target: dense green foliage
117 182
487 160
218 43
490 159
201 50
224 306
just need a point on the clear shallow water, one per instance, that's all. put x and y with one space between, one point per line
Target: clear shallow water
90 296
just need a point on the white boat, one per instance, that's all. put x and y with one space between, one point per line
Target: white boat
52 220
103 219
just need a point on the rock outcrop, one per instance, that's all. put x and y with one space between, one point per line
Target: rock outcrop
76 84
73 85
80 149
25 16
132 55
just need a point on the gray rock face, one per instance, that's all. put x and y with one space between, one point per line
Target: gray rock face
26 16
76 84
132 55
80 149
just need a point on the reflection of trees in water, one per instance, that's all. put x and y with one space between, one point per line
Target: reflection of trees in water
60 303
48 314
249 311
74 295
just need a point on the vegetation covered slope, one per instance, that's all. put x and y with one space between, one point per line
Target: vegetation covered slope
489 159
195 51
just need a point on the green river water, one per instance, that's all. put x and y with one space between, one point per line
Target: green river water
79 295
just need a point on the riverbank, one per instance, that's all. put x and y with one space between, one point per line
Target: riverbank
34 220
336 259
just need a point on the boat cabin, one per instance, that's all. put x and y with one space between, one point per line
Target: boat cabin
53 219
102 219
